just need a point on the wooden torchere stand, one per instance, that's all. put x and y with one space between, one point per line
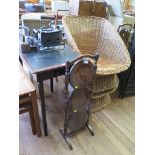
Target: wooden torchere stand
79 74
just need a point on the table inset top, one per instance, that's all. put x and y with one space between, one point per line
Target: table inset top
48 59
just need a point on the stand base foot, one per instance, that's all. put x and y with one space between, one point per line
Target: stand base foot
90 129
66 139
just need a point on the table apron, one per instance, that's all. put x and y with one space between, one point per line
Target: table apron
49 74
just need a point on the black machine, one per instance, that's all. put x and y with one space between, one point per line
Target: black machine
47 36
50 37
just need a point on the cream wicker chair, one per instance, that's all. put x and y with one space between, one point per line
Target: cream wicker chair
89 35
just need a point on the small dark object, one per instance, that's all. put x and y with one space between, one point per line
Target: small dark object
48 17
125 31
25 47
80 74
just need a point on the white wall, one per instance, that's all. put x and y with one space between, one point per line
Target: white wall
59 4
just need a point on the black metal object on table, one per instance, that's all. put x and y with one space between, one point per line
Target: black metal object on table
48 34
47 65
50 37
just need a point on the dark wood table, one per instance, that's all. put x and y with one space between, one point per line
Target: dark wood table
47 64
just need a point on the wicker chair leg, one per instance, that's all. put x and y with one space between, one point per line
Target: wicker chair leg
121 94
124 82
57 79
51 84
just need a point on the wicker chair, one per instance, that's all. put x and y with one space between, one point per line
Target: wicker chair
89 35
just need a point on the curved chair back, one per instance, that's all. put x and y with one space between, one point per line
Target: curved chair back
125 31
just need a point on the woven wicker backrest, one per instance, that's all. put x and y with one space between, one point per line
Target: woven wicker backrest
89 35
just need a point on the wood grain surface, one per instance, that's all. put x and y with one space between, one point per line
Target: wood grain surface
25 84
113 127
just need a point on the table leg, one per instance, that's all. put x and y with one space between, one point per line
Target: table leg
51 83
43 110
31 114
20 60
35 113
57 79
